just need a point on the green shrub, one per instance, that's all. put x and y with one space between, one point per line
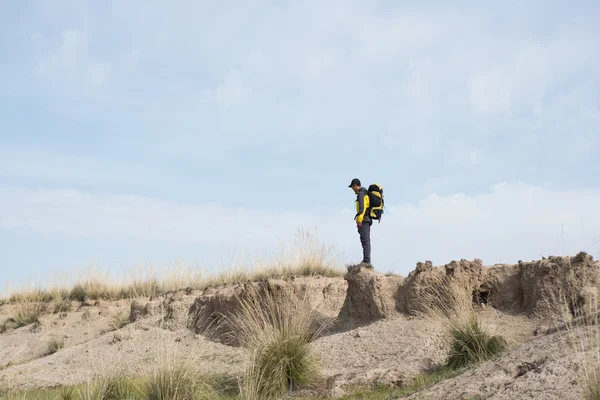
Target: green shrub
67 393
471 344
119 388
116 387
277 332
451 305
177 382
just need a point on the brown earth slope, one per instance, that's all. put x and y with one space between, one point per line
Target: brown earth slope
378 336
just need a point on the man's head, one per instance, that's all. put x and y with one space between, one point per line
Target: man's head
355 185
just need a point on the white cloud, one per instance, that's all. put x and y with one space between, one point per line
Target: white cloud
583 146
98 73
231 92
490 91
67 168
64 58
257 61
69 60
508 223
124 217
37 38
517 75
320 63
385 37
341 66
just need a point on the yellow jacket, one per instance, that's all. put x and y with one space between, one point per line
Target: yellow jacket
362 205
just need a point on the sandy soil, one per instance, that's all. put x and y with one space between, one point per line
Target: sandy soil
545 367
80 326
392 350
137 349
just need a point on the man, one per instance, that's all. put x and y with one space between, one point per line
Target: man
363 219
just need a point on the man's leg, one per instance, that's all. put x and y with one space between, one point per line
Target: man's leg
365 239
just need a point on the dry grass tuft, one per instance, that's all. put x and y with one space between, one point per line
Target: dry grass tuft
36 295
451 305
307 258
95 289
55 344
277 331
67 393
120 387
62 303
471 344
112 387
592 384
141 288
177 382
7 392
120 319
26 313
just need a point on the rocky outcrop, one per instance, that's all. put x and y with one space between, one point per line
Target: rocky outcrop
418 282
501 288
210 313
173 309
426 280
177 305
370 296
140 309
540 288
551 284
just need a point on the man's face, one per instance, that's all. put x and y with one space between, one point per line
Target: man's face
355 188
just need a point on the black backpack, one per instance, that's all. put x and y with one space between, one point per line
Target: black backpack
376 201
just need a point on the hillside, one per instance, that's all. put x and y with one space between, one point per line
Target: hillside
380 334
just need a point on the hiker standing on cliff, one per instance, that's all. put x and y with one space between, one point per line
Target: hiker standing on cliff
363 219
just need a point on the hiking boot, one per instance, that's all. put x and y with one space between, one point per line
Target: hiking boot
365 264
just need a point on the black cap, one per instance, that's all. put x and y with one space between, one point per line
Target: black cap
355 181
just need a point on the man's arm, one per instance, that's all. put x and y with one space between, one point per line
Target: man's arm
361 208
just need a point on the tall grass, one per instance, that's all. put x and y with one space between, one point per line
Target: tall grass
62 302
167 378
177 382
277 330
449 304
8 392
472 344
307 257
120 319
117 387
55 343
67 393
36 295
26 313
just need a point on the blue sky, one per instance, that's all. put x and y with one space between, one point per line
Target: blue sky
145 132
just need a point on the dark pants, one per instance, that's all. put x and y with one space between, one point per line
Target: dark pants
365 239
